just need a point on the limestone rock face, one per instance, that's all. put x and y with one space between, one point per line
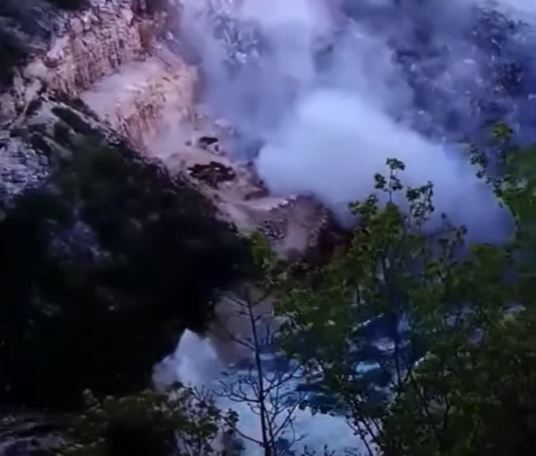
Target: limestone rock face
80 48
112 61
142 96
69 54
294 225
97 42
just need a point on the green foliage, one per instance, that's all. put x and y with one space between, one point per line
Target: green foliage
102 269
269 271
460 358
477 399
183 423
516 187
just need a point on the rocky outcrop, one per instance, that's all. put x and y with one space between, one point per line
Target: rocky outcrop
25 434
294 225
89 45
66 53
138 100
108 56
60 56
98 41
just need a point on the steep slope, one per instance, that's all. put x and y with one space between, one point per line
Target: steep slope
117 204
108 56
96 239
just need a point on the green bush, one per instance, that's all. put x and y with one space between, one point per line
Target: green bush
148 424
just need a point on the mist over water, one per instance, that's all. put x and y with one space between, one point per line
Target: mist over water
195 363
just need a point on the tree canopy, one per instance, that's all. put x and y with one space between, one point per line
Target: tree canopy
424 342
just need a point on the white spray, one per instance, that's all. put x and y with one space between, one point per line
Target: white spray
195 364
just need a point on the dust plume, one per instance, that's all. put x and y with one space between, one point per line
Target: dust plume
323 91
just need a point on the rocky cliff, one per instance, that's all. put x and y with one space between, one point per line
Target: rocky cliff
113 59
63 142
61 54
86 91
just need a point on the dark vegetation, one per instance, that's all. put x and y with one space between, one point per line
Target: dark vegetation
458 377
146 424
10 56
102 268
69 4
106 263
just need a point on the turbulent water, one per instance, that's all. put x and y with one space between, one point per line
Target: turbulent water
323 91
195 362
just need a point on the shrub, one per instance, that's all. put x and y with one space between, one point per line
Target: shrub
148 424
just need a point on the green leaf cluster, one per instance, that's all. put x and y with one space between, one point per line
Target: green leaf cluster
459 320
183 422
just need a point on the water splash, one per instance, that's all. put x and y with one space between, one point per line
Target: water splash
195 363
